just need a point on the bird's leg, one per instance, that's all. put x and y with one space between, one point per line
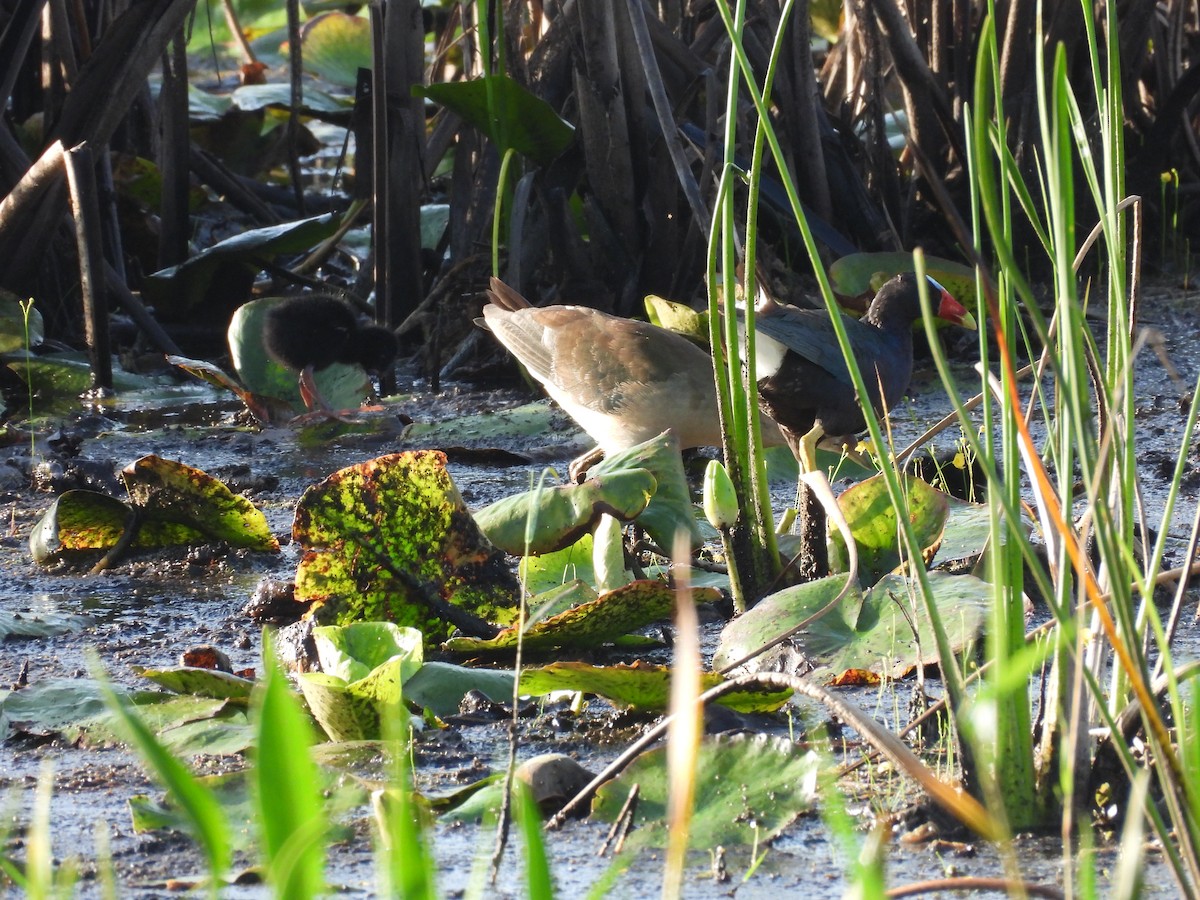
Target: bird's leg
814 553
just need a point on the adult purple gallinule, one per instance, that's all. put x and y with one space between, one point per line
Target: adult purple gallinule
312 332
623 381
805 386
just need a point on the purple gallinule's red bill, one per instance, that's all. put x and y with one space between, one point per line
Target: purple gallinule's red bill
314 331
805 385
623 381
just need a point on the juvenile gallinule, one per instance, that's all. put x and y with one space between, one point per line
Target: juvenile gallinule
623 381
314 331
804 383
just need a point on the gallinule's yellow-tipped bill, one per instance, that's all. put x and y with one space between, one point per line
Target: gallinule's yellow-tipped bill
314 331
622 380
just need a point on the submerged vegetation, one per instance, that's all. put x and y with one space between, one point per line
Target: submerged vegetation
604 152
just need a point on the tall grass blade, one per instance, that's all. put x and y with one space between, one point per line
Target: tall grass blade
206 820
539 885
287 788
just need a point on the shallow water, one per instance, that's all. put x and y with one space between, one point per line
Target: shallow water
145 612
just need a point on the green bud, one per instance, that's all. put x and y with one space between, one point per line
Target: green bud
720 500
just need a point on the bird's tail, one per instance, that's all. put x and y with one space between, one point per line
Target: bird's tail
506 297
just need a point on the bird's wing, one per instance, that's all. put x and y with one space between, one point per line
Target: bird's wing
595 357
810 334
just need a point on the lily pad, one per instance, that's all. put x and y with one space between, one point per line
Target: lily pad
336 46
253 97
80 523
678 317
560 515
590 624
671 508
747 791
440 686
170 504
199 682
537 420
878 631
859 273
873 522
638 686
391 540
168 491
15 625
178 289
546 574
511 116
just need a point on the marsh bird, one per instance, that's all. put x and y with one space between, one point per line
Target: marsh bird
312 332
805 385
623 381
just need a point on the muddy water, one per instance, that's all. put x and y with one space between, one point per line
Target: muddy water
146 611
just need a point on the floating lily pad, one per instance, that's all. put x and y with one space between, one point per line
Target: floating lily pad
968 532
747 791
441 686
877 631
590 624
253 97
75 708
502 428
638 686
178 289
168 491
391 540
561 514
873 522
336 46
199 682
36 625
170 504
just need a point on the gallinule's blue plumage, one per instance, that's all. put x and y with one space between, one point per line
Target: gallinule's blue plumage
803 381
805 385
314 331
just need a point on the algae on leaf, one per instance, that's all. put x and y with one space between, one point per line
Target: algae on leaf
391 540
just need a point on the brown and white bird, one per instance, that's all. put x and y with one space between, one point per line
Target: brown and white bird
623 381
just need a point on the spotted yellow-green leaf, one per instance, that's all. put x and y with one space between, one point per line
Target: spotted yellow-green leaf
82 523
169 491
638 685
199 682
391 540
603 619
